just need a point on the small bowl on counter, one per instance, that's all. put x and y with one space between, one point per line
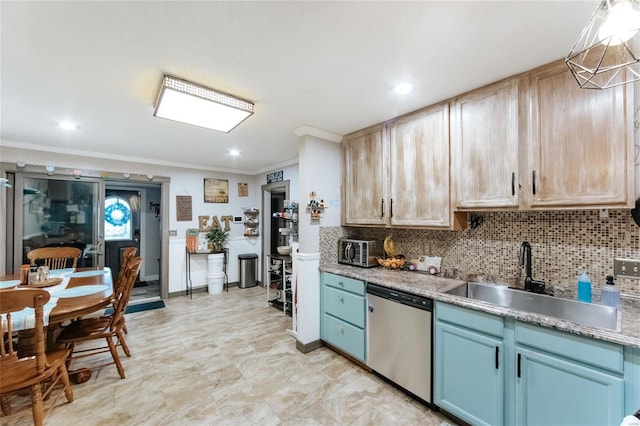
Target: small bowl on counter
284 250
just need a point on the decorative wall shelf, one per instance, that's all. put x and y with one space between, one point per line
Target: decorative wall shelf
315 207
251 222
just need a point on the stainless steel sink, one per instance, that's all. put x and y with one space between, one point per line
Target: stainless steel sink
571 310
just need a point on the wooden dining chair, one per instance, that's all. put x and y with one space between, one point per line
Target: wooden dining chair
127 254
55 257
108 327
40 372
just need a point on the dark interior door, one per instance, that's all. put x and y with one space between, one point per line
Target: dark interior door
277 204
122 225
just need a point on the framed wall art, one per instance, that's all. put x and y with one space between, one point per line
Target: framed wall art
183 208
243 189
216 190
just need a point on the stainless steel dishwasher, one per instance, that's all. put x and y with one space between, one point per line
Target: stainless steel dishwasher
399 341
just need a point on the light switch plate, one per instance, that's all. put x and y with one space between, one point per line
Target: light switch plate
625 267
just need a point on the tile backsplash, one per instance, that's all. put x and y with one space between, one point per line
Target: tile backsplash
563 243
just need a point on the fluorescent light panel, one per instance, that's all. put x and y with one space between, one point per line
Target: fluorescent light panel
186 102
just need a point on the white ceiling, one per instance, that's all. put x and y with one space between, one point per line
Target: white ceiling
329 65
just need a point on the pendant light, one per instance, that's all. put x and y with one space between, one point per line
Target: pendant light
606 53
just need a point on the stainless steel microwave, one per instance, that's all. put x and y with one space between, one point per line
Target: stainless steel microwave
359 252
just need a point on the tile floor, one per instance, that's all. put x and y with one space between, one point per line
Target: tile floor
145 292
227 359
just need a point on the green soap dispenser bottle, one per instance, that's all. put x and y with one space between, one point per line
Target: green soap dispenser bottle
610 294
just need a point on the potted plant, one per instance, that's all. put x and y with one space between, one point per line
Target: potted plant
217 238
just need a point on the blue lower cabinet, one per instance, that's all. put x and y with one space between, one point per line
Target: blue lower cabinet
346 306
554 391
567 379
469 375
631 380
343 314
344 336
494 371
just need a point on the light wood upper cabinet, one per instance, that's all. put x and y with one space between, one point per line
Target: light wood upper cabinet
580 143
364 177
419 168
485 147
535 141
398 174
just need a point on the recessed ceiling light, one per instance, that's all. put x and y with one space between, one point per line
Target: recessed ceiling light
67 125
403 88
234 152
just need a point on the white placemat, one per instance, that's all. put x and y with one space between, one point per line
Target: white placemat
26 318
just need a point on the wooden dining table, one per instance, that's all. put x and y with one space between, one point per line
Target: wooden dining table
70 307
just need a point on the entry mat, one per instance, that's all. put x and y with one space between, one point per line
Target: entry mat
139 307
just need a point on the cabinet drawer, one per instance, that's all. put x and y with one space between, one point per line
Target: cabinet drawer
468 318
346 306
583 349
344 336
343 283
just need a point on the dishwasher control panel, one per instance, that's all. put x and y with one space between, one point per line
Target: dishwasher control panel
412 300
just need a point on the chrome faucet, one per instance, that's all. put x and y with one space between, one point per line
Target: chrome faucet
525 260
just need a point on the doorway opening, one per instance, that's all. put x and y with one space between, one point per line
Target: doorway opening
132 219
273 196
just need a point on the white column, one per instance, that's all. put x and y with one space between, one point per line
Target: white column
319 171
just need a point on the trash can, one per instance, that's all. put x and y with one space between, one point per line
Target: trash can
248 270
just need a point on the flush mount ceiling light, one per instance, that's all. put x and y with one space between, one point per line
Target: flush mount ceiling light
180 100
605 56
403 88
67 125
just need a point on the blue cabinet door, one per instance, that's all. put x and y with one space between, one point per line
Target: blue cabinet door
346 306
469 372
344 336
554 391
343 314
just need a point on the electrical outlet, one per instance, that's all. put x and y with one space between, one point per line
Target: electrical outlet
173 232
624 267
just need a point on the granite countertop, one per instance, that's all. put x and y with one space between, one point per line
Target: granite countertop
435 287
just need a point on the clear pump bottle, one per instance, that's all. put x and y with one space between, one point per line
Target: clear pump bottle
610 294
